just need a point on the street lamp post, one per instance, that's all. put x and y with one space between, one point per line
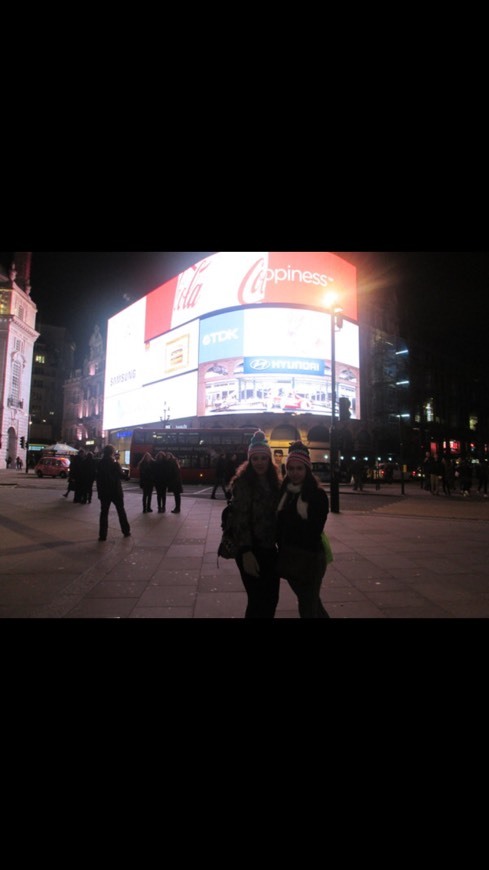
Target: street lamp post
166 413
333 449
401 448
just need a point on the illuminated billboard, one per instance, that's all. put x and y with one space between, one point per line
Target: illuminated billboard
238 332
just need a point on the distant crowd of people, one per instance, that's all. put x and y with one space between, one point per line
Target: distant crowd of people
9 462
81 477
441 474
160 475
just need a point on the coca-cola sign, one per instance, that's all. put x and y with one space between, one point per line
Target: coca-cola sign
233 279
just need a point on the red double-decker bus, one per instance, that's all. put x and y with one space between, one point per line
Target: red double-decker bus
197 450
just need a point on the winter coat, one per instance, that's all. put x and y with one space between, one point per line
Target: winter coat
302 528
174 477
109 479
254 514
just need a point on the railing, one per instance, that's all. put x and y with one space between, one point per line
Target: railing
15 403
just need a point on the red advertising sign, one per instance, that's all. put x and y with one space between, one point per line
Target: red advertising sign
232 279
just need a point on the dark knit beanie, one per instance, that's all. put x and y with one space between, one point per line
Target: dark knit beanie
300 453
259 444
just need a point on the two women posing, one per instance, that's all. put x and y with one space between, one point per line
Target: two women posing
291 514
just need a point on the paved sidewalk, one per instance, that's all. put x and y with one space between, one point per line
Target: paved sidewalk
413 556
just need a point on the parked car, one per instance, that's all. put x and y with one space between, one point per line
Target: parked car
321 470
53 466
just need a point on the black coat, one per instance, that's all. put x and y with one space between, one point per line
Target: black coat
174 477
109 480
146 474
161 472
303 533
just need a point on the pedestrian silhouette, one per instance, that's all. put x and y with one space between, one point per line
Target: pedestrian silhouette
109 490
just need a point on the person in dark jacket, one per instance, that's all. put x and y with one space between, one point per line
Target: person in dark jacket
71 481
255 495
220 476
161 471
174 481
229 472
76 475
147 481
302 514
109 490
88 470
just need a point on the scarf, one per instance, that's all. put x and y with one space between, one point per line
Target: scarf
302 506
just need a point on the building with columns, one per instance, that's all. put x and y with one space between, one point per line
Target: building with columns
17 337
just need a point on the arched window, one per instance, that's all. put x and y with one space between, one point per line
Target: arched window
16 382
319 433
285 433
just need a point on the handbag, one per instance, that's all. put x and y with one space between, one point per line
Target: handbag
227 548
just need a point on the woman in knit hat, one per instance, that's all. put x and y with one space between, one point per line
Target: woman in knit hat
302 513
255 495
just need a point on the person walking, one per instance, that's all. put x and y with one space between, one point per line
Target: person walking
174 481
161 471
109 490
436 473
448 477
465 469
147 481
482 477
357 474
229 472
88 470
76 475
220 476
255 495
426 471
302 513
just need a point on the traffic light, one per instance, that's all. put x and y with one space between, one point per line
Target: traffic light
22 441
345 406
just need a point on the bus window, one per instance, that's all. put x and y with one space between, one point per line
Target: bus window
196 450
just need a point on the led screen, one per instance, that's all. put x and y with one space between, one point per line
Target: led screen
222 338
145 381
275 359
232 279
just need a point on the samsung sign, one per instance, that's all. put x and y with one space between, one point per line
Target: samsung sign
282 366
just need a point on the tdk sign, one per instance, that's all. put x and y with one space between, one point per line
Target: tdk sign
221 336
218 337
283 365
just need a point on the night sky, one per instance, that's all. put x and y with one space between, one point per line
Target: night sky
444 292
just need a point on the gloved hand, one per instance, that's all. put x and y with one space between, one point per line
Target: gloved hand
250 564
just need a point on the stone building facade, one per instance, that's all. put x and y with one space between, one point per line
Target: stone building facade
83 405
17 338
